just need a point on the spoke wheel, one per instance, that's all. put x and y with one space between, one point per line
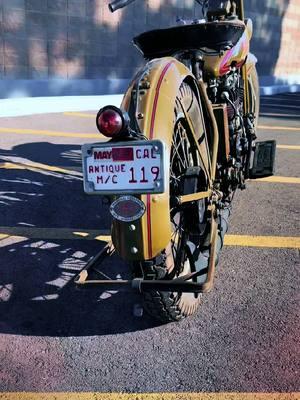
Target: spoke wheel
173 306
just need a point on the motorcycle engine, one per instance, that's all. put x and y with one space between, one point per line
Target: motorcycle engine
229 90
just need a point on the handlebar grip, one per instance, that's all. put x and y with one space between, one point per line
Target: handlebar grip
117 4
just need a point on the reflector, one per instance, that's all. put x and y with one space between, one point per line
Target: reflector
127 209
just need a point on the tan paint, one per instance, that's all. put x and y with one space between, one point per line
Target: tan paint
212 63
156 105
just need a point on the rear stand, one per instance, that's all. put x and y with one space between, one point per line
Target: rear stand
183 284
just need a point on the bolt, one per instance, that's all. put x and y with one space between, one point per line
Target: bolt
140 116
134 250
132 228
138 310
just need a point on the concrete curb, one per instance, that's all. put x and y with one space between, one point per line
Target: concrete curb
276 89
16 88
44 105
23 106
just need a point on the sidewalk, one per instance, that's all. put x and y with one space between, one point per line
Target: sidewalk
43 105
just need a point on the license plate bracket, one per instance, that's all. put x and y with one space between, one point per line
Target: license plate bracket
133 167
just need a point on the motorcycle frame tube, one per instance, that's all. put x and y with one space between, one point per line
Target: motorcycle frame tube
154 91
213 121
251 95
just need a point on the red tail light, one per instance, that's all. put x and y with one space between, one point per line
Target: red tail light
111 121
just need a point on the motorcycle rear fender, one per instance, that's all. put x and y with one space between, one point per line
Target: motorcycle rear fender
150 102
250 63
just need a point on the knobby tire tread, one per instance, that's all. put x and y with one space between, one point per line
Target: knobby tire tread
166 306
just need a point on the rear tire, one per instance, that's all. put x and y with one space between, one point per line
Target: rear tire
171 306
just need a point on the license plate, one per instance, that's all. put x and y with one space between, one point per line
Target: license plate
124 168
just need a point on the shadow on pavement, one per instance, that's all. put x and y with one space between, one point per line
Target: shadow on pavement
39 297
281 106
37 293
42 197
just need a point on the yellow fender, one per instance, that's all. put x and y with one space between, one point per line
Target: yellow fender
150 100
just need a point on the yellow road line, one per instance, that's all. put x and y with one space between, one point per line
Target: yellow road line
263 241
11 240
287 147
148 396
103 235
266 114
278 128
40 132
53 233
81 115
76 171
278 179
266 127
38 166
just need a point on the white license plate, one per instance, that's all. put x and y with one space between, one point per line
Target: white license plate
124 168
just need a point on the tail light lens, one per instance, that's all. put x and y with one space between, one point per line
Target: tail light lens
111 121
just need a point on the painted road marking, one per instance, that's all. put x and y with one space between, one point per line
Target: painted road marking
291 116
274 128
263 241
267 99
40 132
279 105
80 115
54 233
77 171
278 179
287 147
77 174
103 235
279 128
148 396
38 166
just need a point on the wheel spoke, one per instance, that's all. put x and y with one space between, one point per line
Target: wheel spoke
181 159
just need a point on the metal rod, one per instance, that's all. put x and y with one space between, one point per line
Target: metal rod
194 196
105 252
207 286
215 129
147 285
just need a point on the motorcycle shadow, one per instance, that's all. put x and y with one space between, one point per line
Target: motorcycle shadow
39 297
43 212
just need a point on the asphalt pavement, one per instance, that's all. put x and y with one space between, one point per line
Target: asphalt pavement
55 338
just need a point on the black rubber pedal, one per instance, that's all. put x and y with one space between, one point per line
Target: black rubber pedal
264 159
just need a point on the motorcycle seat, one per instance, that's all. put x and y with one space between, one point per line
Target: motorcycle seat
216 35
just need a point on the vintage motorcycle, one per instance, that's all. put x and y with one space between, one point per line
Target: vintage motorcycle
181 144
